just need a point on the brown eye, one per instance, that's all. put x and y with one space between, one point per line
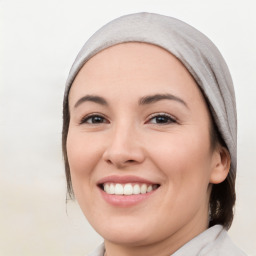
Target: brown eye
162 119
94 119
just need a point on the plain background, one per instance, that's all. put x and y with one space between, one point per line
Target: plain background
39 41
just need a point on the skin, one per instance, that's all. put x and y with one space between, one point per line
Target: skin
130 140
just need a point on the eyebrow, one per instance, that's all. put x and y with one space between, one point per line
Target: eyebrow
143 101
91 98
157 97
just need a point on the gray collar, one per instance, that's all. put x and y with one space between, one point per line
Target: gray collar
212 242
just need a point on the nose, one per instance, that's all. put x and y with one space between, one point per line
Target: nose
124 148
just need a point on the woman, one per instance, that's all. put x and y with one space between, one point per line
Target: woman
149 139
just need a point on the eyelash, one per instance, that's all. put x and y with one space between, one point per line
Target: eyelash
168 119
91 116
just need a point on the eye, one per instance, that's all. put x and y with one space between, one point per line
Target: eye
161 118
94 119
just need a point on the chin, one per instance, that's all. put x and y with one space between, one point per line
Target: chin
124 232
128 237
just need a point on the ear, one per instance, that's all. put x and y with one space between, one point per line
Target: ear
221 165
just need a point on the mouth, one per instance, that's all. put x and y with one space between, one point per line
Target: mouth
127 189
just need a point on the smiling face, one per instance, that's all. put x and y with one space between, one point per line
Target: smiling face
139 129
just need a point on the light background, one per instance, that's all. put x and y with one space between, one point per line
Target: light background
39 41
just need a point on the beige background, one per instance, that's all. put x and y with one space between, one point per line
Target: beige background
39 40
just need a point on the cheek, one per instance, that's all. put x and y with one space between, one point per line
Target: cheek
180 148
83 153
185 160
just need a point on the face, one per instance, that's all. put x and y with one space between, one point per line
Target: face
139 148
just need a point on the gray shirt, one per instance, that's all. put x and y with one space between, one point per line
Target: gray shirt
212 242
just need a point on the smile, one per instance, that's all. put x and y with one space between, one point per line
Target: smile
128 188
126 191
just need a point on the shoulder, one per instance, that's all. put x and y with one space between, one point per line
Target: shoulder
214 241
224 246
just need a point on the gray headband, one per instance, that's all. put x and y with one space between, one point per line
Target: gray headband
197 53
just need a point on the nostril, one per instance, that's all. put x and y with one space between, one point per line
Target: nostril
127 162
109 162
130 161
121 159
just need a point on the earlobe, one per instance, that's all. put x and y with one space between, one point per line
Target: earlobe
221 165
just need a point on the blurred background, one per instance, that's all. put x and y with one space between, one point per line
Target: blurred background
39 41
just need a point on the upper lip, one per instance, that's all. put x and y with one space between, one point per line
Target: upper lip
124 179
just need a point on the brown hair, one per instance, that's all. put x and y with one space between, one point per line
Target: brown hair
222 198
223 195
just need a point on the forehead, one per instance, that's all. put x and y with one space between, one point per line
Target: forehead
133 62
126 55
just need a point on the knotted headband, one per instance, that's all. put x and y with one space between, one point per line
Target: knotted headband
197 53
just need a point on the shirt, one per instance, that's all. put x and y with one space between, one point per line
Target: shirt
214 241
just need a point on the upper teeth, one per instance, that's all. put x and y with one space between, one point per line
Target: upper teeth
127 189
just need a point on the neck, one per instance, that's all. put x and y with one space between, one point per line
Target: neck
164 247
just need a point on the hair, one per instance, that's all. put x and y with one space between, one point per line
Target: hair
65 126
223 195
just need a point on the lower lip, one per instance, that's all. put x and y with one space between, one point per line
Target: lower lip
125 201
